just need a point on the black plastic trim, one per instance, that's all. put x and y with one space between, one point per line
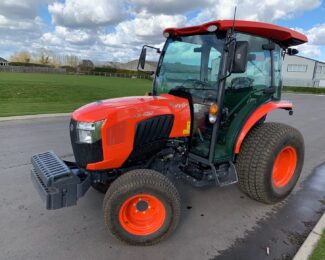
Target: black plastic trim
153 129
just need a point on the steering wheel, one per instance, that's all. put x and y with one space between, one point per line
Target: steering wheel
241 83
197 84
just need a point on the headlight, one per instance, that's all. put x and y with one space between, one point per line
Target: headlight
89 133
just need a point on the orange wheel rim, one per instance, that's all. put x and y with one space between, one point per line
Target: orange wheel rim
284 167
142 214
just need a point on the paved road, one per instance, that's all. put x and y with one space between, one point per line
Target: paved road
212 218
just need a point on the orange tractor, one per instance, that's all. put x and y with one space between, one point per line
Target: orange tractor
203 123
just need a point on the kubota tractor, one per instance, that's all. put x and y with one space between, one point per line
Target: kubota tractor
203 122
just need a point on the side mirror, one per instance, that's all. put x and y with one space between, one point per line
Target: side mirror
143 55
142 59
292 52
240 57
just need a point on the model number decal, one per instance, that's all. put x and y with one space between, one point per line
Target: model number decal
145 114
178 105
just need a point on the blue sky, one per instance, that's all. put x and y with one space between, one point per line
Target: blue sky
307 20
114 30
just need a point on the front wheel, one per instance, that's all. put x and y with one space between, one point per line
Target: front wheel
142 207
270 162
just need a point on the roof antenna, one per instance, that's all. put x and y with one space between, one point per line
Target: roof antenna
233 24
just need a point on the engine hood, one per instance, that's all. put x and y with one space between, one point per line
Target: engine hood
139 106
122 117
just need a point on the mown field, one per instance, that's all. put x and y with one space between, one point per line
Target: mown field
31 93
28 94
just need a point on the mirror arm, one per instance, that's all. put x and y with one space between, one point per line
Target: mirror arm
151 47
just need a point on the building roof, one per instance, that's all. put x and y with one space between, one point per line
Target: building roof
285 36
302 57
3 60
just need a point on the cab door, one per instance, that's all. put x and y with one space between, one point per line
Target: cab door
244 92
204 93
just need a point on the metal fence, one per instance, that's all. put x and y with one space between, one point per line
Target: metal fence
25 69
117 75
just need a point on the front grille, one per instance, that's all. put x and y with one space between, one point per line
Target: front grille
153 129
84 153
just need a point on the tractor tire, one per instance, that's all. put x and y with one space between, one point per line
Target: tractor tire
142 207
270 162
100 187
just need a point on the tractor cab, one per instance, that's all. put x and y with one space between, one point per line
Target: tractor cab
226 70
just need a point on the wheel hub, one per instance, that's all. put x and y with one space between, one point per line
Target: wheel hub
142 205
284 167
142 214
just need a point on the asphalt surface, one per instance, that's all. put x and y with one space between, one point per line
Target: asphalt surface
213 221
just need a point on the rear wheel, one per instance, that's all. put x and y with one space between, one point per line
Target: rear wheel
270 162
142 207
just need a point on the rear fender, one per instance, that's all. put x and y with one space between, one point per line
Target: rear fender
257 115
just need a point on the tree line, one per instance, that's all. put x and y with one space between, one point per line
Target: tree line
46 58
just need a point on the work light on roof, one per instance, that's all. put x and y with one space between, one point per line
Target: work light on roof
212 28
166 34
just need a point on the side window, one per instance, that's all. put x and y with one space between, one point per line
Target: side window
214 64
277 60
258 72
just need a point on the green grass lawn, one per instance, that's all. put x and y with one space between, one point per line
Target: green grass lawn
304 90
319 252
28 94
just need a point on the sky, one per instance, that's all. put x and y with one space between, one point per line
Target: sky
115 30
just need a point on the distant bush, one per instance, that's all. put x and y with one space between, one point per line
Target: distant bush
28 64
118 71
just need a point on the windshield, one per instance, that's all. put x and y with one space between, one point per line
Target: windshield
190 62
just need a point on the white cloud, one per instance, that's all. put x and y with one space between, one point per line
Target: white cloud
316 35
316 39
256 10
144 28
309 50
116 29
168 6
85 13
62 35
20 24
21 9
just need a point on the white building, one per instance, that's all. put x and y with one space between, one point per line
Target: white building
303 72
3 62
